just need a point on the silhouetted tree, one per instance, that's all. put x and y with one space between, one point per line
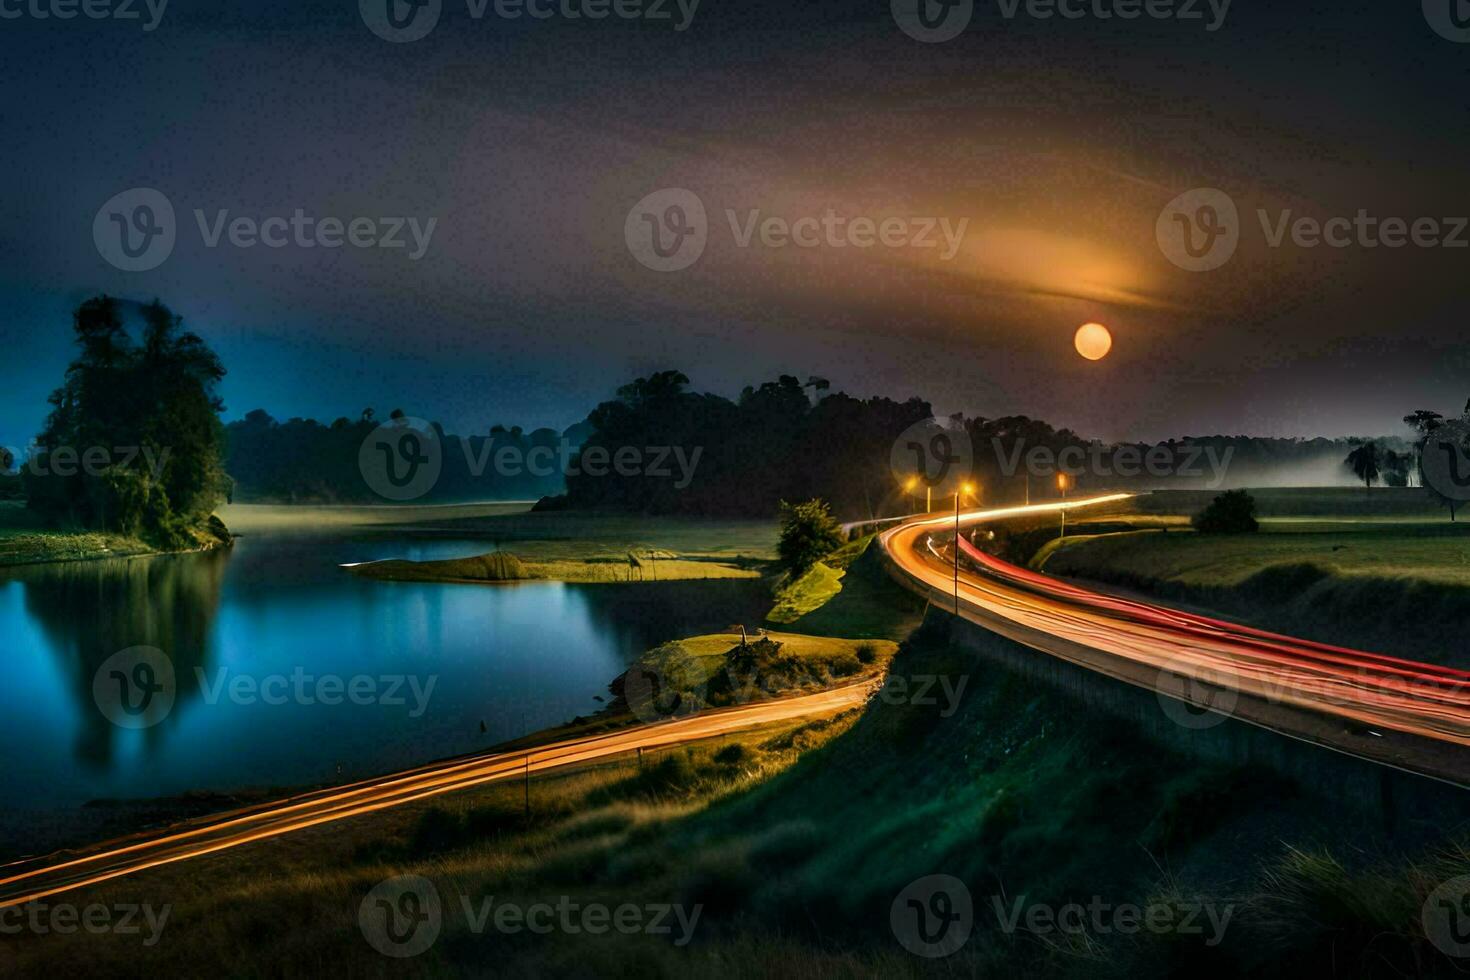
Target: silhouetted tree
1364 461
1232 512
1395 468
808 534
142 416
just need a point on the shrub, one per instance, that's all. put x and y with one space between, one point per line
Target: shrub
808 534
734 754
1233 512
866 653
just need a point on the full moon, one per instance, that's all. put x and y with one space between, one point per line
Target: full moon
1093 341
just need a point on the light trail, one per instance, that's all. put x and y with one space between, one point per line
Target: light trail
33 879
1399 712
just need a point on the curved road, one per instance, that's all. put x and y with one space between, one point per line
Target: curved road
32 879
1400 713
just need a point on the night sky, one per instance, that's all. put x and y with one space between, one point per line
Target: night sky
529 141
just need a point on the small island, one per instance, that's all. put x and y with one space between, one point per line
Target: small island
504 567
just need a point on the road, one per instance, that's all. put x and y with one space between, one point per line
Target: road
33 879
1401 713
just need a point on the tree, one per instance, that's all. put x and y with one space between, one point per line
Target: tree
1442 462
1232 512
1423 422
1395 468
808 534
142 416
1365 462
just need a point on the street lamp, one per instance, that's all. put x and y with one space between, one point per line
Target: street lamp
909 486
1062 486
965 489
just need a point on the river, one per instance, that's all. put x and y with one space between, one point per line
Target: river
290 671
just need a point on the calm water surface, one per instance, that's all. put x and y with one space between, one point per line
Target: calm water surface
277 611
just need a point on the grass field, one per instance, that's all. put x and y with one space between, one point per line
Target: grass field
1355 503
577 535
1432 553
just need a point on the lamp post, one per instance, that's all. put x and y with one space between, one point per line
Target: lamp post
909 486
1062 486
966 488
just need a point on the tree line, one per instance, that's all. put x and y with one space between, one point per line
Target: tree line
305 461
141 400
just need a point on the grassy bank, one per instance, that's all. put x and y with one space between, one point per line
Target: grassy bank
794 842
847 594
505 567
24 540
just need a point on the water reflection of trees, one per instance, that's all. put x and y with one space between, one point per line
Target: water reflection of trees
92 609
